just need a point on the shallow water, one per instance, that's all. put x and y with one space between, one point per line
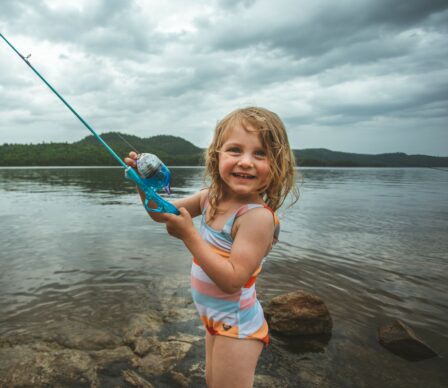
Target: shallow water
76 245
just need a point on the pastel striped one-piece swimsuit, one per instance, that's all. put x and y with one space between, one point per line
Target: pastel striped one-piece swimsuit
237 315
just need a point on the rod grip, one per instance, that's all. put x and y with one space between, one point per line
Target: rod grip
150 194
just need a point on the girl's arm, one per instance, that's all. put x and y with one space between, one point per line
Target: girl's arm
193 203
251 243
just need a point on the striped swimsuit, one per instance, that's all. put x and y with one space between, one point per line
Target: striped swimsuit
237 315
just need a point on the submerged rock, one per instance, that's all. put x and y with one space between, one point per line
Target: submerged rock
401 340
298 313
143 325
135 380
78 355
163 357
45 368
179 379
75 335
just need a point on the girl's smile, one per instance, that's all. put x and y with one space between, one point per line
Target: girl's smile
243 176
243 163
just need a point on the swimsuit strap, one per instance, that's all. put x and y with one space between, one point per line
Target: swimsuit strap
242 210
227 228
205 206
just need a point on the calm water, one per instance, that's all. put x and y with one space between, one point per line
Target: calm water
76 245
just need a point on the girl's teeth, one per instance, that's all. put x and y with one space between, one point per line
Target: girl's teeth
243 176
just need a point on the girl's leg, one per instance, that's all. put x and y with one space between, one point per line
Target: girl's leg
209 341
234 362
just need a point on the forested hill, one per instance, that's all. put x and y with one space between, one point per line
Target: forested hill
324 157
176 151
89 152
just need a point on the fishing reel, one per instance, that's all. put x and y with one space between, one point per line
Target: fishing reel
154 172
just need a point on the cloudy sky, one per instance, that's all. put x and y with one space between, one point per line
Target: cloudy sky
367 76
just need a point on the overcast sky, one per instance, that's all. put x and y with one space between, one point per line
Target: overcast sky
366 76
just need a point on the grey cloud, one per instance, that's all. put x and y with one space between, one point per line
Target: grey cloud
326 67
231 4
108 28
328 27
403 13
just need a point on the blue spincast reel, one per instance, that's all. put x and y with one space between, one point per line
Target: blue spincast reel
154 172
152 176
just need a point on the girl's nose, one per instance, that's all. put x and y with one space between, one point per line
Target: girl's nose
245 161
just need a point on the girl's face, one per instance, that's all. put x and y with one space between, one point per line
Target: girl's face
243 162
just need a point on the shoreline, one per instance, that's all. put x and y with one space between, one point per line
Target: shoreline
202 167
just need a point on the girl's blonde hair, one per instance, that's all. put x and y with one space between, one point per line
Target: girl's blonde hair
281 179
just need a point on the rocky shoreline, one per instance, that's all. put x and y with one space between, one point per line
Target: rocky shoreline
162 347
159 348
75 354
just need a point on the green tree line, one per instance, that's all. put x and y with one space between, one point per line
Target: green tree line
176 151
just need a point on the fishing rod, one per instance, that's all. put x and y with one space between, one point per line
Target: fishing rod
148 186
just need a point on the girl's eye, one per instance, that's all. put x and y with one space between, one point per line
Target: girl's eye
260 154
233 150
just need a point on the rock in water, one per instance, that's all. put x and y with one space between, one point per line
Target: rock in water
402 341
299 313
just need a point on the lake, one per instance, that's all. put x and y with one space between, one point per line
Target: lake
76 245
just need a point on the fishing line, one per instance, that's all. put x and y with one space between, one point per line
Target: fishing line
25 59
146 185
129 144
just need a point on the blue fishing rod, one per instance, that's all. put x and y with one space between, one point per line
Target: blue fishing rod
155 174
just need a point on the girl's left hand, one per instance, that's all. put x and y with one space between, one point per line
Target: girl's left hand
179 226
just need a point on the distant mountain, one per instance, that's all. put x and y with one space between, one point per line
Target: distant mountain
176 151
171 145
171 150
324 157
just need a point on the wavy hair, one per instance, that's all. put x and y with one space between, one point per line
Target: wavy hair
282 176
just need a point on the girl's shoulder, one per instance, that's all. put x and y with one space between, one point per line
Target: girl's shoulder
254 212
259 216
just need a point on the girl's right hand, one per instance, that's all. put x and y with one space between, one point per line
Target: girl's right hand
131 160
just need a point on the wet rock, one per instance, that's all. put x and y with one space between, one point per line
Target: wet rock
42 364
142 326
119 355
145 345
46 364
301 344
401 340
163 357
75 335
298 313
179 379
75 354
185 337
198 369
52 368
265 381
66 335
135 380
151 364
180 314
311 377
174 350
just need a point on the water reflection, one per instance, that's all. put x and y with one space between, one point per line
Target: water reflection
77 245
89 180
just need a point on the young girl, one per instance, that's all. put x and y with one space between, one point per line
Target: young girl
251 171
